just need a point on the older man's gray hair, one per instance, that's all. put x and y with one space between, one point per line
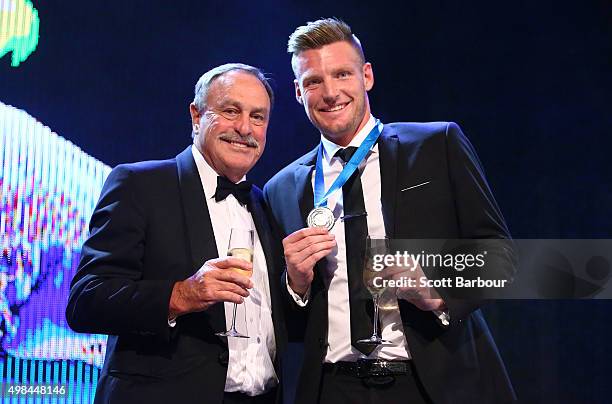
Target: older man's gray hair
204 83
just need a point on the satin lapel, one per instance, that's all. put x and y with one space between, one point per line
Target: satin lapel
199 227
261 225
305 195
388 145
264 232
303 184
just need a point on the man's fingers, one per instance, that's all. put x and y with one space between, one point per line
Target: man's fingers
232 276
314 258
306 242
305 232
225 296
315 249
222 286
390 272
231 262
408 293
303 249
427 304
319 247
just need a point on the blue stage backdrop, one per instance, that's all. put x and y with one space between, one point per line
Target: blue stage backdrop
528 81
48 189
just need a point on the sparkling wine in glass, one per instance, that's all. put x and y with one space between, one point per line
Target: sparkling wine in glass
376 246
240 246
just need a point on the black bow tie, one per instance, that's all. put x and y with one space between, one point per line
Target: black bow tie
240 191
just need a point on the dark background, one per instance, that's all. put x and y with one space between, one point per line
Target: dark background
528 81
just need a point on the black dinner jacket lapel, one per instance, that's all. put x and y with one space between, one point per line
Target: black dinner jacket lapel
303 184
399 153
202 243
303 187
265 234
388 145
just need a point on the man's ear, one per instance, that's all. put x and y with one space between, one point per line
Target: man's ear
298 92
195 114
368 76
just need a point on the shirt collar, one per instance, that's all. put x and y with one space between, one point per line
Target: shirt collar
208 175
330 148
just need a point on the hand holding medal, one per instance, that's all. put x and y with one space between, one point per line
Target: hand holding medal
305 247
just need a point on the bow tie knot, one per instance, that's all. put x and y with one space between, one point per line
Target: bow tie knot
240 191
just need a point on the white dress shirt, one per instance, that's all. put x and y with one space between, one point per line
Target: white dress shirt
339 330
250 369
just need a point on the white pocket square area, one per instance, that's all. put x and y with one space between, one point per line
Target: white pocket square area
415 186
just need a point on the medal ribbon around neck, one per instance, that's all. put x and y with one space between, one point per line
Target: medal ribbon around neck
320 198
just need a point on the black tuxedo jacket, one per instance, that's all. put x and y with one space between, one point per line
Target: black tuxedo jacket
459 363
151 228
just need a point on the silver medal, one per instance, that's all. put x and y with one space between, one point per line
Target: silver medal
321 217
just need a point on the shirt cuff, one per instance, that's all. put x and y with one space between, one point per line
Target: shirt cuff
300 301
443 317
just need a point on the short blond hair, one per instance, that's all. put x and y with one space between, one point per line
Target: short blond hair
325 31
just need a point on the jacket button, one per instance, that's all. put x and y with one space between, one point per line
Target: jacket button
322 343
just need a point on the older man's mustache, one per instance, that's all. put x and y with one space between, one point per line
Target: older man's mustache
246 140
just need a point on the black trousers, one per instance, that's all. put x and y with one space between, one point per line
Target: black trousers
241 398
340 388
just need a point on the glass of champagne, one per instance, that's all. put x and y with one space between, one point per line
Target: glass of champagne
375 246
240 246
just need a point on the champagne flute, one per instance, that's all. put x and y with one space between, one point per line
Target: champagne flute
375 246
240 246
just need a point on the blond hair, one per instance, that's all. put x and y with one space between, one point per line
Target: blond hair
325 31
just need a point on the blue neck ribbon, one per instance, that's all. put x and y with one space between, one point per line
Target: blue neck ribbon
320 198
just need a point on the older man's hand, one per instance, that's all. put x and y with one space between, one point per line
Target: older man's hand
216 281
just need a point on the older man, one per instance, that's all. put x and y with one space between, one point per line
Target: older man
150 275
413 181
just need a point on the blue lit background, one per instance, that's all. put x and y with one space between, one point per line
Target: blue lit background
48 188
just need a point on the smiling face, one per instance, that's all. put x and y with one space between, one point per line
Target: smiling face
332 84
233 123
